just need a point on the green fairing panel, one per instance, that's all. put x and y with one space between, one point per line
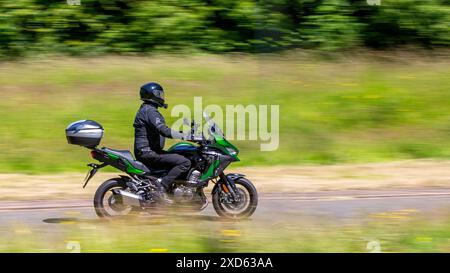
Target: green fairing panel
210 171
130 168
223 144
112 156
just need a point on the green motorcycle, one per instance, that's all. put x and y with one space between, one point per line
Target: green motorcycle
233 195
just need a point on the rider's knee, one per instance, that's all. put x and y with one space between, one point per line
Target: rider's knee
186 164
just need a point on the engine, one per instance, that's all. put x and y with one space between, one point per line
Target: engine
183 193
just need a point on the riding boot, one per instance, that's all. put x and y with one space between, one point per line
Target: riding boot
163 190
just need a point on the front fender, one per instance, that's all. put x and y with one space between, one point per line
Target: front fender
231 177
234 176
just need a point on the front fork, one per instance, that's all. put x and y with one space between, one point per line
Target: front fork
226 184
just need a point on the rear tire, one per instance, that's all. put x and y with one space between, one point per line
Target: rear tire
100 194
245 187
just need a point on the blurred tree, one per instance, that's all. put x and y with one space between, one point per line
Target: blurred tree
135 26
18 29
332 26
160 25
406 22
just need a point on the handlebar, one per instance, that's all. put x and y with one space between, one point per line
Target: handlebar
193 137
197 138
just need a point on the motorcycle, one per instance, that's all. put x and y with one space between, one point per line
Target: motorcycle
233 195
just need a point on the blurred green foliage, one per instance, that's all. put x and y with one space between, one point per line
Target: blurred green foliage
135 26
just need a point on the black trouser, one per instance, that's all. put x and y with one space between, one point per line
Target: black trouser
176 164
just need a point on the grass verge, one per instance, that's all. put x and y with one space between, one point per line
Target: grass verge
331 111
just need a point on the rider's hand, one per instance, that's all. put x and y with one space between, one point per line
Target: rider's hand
186 136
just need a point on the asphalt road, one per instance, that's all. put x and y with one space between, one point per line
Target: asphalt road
337 206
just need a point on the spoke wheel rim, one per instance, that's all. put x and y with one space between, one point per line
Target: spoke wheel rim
111 205
238 207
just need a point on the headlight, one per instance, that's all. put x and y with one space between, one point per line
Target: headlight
232 151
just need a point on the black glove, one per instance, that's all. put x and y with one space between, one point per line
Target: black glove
181 135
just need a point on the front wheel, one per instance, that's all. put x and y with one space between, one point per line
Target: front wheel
243 208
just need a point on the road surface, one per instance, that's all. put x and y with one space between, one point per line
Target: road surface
350 205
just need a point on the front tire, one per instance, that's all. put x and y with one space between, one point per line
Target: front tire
104 203
245 208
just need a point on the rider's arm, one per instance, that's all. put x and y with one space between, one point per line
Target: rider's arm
157 120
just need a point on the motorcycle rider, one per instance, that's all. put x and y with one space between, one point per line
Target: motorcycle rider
149 138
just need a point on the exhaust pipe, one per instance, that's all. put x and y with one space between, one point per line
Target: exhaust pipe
127 198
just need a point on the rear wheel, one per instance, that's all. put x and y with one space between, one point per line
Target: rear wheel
244 207
105 203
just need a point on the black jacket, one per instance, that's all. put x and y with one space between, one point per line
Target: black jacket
150 131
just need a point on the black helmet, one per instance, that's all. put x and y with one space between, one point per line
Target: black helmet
153 92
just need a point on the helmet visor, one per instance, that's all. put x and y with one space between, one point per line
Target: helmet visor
159 94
